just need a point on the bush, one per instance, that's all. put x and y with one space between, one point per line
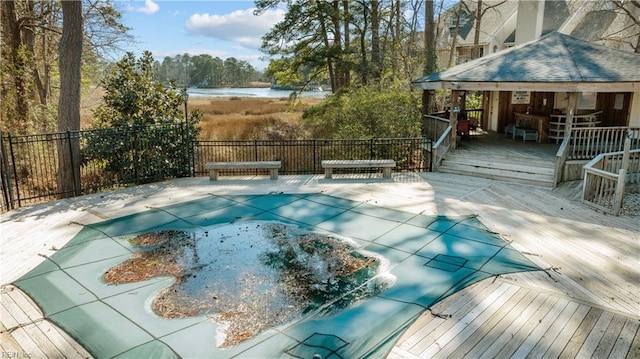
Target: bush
141 135
366 112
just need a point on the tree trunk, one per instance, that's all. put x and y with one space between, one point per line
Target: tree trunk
70 51
325 40
17 66
454 41
430 38
430 47
364 62
476 36
347 44
338 52
376 56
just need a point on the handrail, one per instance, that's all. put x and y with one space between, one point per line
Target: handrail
561 159
435 127
587 143
438 153
606 176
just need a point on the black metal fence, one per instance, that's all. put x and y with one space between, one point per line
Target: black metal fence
110 158
125 156
305 156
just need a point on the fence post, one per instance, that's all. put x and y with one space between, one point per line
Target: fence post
73 168
192 149
619 194
136 155
627 149
15 170
315 155
255 149
185 152
430 155
6 174
371 149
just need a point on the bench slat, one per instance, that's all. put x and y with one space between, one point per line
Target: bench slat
386 166
358 163
272 166
241 165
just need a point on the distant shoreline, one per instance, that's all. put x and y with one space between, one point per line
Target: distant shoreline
251 92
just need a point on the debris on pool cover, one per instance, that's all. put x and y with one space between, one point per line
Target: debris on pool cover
250 276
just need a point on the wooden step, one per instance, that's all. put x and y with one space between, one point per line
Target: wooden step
523 166
470 155
503 168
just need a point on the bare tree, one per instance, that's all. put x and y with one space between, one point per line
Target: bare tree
14 63
632 10
480 11
428 99
70 66
376 55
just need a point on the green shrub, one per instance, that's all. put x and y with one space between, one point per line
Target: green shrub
141 134
366 112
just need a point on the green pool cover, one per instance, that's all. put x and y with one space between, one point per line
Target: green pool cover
431 257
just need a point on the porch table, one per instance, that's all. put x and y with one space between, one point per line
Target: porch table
533 121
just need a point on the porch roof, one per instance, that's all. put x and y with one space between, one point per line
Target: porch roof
555 62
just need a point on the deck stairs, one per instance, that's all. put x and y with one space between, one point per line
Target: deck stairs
507 168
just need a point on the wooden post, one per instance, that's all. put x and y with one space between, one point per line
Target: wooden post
627 150
572 106
619 194
622 176
453 117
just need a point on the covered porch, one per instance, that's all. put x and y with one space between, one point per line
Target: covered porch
556 93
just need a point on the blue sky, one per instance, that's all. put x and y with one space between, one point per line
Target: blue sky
218 28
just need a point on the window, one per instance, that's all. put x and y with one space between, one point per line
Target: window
587 100
464 18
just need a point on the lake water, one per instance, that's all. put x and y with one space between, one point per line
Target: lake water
250 92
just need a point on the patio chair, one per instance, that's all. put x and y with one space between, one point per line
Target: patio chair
473 126
510 129
462 129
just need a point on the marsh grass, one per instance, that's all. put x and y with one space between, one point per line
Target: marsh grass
246 118
234 118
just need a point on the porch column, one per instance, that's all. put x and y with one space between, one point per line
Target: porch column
572 106
453 117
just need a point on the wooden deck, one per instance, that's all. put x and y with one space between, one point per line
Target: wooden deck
492 143
587 303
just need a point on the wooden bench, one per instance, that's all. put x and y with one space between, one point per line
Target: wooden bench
386 166
214 167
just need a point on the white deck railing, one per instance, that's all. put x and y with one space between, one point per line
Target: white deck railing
607 175
587 143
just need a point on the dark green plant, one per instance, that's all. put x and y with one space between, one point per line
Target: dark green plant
366 112
142 134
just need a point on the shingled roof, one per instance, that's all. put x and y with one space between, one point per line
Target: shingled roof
554 62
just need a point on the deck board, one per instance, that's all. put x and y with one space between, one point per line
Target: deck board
565 336
480 329
608 339
465 329
544 324
624 345
584 304
554 329
582 333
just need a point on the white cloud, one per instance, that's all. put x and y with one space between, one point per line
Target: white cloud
149 7
240 26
